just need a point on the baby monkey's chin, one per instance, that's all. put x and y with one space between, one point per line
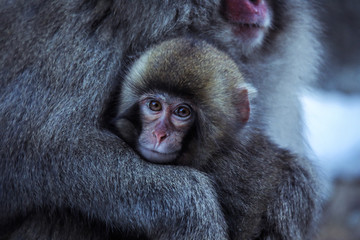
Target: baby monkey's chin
157 157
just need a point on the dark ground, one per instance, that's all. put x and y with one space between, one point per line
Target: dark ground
341 219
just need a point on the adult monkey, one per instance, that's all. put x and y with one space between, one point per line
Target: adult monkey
60 61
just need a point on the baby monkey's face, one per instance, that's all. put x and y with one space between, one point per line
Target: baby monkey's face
165 122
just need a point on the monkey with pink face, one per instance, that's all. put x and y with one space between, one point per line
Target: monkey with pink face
186 103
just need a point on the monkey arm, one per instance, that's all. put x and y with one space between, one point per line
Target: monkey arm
298 201
95 174
244 191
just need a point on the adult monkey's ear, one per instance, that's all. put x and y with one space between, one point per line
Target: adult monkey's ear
245 93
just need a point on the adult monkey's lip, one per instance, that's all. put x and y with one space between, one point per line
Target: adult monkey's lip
248 30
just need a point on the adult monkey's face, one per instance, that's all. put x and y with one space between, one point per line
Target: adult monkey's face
251 19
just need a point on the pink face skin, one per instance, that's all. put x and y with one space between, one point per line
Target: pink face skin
251 19
165 120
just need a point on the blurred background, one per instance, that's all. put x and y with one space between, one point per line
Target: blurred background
332 117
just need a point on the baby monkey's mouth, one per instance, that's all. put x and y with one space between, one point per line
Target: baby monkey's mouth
154 156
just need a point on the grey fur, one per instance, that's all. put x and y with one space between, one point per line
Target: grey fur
59 64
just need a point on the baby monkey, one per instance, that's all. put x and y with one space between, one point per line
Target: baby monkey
181 101
184 102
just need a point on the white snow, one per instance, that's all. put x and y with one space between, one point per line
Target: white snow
333 131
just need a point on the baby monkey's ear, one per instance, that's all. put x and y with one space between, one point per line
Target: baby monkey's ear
245 92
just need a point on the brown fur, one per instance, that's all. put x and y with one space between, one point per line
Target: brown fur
264 190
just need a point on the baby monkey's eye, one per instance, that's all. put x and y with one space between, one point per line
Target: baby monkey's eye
183 111
155 105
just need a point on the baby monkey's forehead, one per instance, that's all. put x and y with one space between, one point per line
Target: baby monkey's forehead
169 98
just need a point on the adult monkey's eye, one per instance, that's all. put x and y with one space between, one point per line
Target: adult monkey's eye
155 105
183 111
